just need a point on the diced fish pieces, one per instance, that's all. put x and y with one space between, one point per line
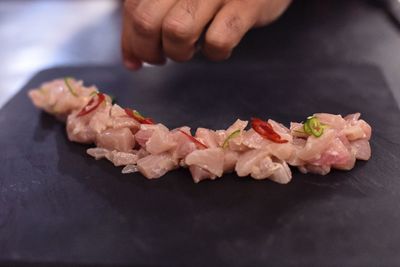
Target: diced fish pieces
259 164
121 120
55 98
230 160
352 117
116 157
83 129
207 137
282 174
321 170
211 159
361 149
250 160
315 146
155 166
142 136
281 151
184 146
116 139
237 125
280 129
332 120
160 141
199 174
264 168
122 158
97 153
336 153
253 140
235 143
325 142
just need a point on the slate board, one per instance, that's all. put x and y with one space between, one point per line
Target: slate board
60 207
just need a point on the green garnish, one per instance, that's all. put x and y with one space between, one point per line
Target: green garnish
71 90
93 93
231 136
299 132
312 126
306 127
138 115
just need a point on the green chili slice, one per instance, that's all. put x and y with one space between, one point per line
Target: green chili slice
306 126
93 93
312 126
138 115
231 136
69 86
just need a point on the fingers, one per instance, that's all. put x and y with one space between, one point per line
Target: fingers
146 19
271 10
130 60
183 26
156 29
228 28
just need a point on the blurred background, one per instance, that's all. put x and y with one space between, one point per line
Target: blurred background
39 34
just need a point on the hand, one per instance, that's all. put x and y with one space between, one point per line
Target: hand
154 30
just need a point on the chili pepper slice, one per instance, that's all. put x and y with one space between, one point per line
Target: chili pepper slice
69 86
231 136
194 140
312 126
306 127
265 129
93 104
137 116
94 93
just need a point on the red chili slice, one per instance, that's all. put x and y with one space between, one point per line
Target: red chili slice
265 129
93 104
194 140
136 115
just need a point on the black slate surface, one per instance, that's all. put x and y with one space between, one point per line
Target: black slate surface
60 207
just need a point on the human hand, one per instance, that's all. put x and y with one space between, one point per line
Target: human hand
154 30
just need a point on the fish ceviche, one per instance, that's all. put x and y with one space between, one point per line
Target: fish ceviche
261 149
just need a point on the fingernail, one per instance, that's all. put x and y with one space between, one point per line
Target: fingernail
132 65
